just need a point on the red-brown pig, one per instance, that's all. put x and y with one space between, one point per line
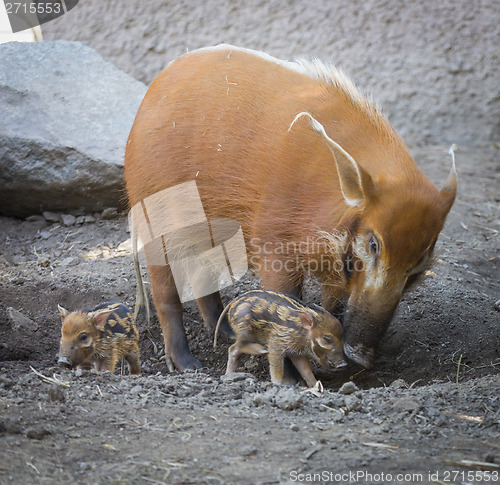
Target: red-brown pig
336 195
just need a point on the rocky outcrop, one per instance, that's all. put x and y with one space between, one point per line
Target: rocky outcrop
66 115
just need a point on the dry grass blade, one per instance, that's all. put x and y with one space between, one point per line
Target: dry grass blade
473 464
50 380
316 390
458 367
381 445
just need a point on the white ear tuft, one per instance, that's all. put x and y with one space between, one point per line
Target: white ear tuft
62 311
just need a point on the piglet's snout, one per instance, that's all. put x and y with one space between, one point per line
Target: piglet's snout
65 361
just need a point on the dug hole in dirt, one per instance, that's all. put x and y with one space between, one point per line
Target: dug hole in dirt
428 412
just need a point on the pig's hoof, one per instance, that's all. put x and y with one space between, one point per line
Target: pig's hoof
182 364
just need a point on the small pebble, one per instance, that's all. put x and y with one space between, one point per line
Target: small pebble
406 405
249 451
56 393
109 213
35 218
70 261
236 377
294 427
37 432
348 388
51 216
398 384
490 458
353 403
496 306
68 220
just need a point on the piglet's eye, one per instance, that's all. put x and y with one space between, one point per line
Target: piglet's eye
83 337
327 339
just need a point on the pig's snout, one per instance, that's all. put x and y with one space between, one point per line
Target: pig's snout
65 361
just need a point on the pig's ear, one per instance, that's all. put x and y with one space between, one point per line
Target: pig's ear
306 319
101 318
63 312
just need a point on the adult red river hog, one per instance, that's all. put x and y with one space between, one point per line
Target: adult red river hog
316 176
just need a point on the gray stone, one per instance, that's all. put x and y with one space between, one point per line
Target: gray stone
35 218
66 116
406 405
353 403
348 388
38 431
70 261
249 451
288 398
398 384
236 377
51 216
68 220
20 322
109 213
56 393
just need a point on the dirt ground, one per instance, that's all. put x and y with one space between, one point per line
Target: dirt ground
428 412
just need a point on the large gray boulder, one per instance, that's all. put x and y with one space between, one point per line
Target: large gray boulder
65 117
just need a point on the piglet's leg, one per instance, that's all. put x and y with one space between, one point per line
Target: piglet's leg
134 362
287 282
233 357
303 365
106 364
252 349
276 368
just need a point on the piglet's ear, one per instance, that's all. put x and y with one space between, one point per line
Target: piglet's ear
306 319
101 318
63 312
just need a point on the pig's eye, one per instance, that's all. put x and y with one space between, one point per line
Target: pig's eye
328 340
83 337
374 245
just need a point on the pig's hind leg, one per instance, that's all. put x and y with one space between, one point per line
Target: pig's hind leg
211 308
234 355
238 349
169 308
